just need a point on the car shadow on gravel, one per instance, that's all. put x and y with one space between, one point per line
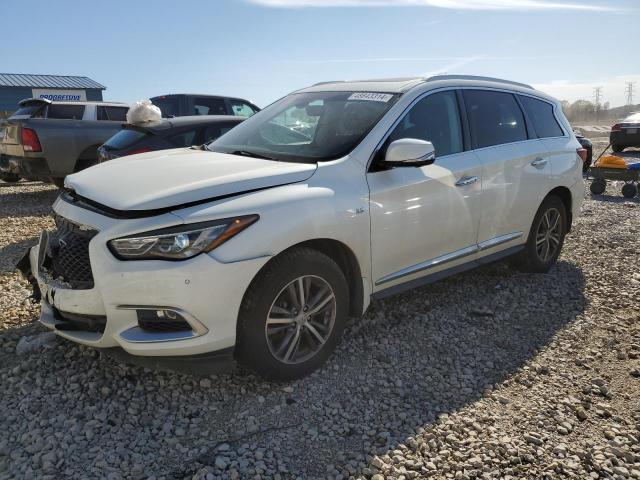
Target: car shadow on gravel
413 359
615 199
29 203
12 253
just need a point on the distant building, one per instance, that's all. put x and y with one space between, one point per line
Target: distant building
17 86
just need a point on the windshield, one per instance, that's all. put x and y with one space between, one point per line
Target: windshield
307 127
28 110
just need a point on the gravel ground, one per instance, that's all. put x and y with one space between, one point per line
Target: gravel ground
490 374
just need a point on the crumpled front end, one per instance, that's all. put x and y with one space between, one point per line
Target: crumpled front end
147 307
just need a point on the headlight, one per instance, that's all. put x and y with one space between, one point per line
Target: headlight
179 243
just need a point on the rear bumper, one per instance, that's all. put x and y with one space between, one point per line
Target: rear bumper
624 139
30 168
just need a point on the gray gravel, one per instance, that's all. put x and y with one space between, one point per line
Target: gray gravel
490 374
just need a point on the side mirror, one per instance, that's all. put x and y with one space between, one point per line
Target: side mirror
410 152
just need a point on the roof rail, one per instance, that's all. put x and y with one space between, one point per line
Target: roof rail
474 77
326 83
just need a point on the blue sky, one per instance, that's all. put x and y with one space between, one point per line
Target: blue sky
263 49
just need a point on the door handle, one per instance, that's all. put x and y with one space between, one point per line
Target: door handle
539 162
464 181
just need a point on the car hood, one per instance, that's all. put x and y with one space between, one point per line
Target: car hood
164 179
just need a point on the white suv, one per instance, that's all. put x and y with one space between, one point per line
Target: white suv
260 245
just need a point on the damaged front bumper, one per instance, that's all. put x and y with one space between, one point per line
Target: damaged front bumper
111 313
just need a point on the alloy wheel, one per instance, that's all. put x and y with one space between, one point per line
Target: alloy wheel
300 319
549 234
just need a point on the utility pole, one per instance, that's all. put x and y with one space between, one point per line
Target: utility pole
597 97
629 92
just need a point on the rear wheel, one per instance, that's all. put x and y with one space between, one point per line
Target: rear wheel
617 148
629 190
598 186
57 181
292 315
546 237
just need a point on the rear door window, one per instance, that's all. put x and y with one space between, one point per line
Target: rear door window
32 111
114 114
241 109
494 118
184 139
169 106
540 113
209 106
65 112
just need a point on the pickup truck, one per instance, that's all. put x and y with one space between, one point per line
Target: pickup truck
48 140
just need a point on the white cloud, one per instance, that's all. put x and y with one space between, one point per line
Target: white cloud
451 4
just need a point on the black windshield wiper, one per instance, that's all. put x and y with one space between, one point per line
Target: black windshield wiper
246 153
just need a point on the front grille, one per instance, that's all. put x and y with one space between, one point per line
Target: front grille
68 254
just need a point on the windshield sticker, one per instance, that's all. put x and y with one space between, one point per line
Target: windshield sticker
371 97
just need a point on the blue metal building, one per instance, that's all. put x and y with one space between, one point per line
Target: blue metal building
16 86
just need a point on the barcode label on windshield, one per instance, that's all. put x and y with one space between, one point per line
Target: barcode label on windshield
371 97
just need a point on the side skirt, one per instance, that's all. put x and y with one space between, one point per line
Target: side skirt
434 277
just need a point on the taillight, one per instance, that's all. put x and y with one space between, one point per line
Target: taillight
30 141
616 128
138 150
582 153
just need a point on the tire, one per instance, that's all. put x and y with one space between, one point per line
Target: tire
85 163
629 190
617 148
58 181
534 258
9 177
598 186
264 348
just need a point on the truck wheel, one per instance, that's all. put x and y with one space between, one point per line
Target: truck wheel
598 186
9 177
629 190
57 181
617 148
546 237
292 315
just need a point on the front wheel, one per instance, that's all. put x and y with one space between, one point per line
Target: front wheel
58 181
292 315
617 148
629 190
546 237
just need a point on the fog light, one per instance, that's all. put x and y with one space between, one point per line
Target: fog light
162 321
167 314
